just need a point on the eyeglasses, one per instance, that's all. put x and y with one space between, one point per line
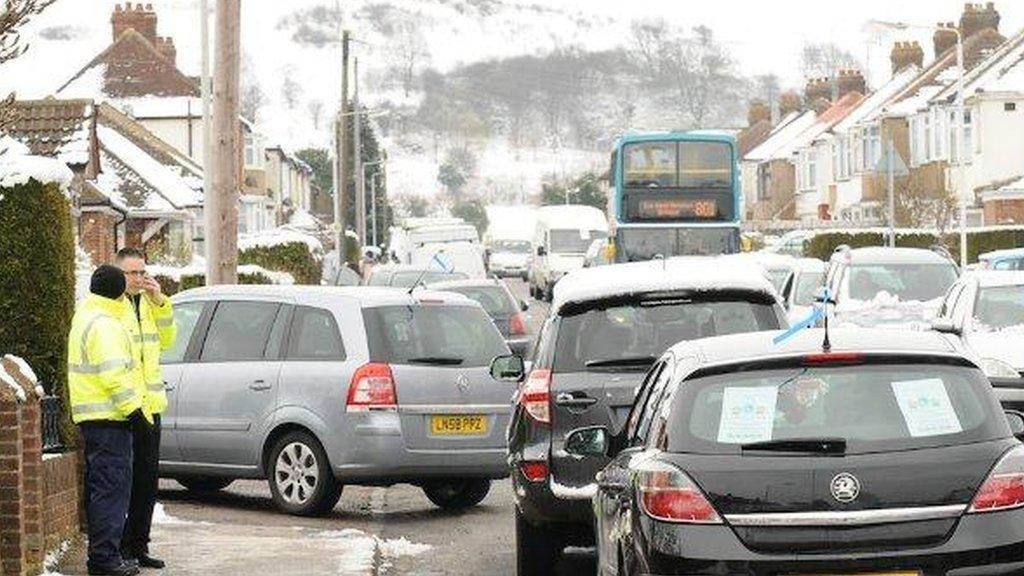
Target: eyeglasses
135 273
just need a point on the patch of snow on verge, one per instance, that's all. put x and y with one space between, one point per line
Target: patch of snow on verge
162 518
53 558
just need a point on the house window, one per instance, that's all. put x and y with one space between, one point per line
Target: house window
874 147
253 151
1010 107
968 135
928 142
811 180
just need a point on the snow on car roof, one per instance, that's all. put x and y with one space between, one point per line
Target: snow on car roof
767 260
996 278
753 345
883 255
367 295
810 265
573 217
703 274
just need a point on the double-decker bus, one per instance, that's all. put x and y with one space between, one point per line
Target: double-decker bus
674 194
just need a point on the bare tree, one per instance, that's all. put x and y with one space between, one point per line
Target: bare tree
291 90
253 98
408 53
695 68
316 112
825 60
13 15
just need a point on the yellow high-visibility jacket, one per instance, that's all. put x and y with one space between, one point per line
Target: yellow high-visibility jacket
103 381
153 331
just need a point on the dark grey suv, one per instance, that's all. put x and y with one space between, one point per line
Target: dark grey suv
607 326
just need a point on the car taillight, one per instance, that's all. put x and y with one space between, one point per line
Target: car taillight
372 388
534 471
669 495
517 325
535 396
1004 487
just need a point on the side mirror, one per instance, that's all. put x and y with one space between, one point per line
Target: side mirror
1016 421
945 326
542 251
523 305
588 442
510 368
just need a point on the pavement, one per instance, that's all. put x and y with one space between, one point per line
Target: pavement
372 531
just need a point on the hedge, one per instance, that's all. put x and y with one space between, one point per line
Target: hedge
37 279
293 258
171 286
979 241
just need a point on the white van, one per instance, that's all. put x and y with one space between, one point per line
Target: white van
560 241
464 257
415 233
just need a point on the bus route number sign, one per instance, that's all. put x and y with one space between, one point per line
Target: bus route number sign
677 209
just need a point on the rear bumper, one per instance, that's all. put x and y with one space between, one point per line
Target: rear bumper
982 545
539 505
377 454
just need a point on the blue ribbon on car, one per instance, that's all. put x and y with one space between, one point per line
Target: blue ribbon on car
812 319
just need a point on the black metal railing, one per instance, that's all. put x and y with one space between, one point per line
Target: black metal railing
50 411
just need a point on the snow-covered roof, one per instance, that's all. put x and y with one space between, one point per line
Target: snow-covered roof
1001 71
169 181
781 137
913 104
573 217
822 123
698 274
123 186
870 107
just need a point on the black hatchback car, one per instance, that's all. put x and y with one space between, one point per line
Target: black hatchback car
888 455
606 327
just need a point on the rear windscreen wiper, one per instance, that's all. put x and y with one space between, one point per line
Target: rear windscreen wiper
812 445
641 361
437 360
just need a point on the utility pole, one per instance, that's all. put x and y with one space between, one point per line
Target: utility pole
357 156
374 184
892 194
340 168
221 205
204 83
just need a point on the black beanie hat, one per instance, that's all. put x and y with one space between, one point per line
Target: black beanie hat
108 281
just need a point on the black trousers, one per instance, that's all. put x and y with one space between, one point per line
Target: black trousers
108 479
145 478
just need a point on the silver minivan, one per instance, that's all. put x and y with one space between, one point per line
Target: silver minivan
313 388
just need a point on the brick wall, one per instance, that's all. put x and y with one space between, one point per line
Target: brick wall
39 500
97 235
1005 211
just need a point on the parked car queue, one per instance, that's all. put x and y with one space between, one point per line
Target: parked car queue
250 353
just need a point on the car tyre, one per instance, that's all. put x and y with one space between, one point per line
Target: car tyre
204 484
537 548
300 476
457 494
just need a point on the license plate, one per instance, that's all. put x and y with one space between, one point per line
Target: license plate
458 425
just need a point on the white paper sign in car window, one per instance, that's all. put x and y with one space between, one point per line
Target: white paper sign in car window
926 407
748 415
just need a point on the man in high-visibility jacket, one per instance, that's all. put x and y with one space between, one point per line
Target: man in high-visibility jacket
106 402
150 320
